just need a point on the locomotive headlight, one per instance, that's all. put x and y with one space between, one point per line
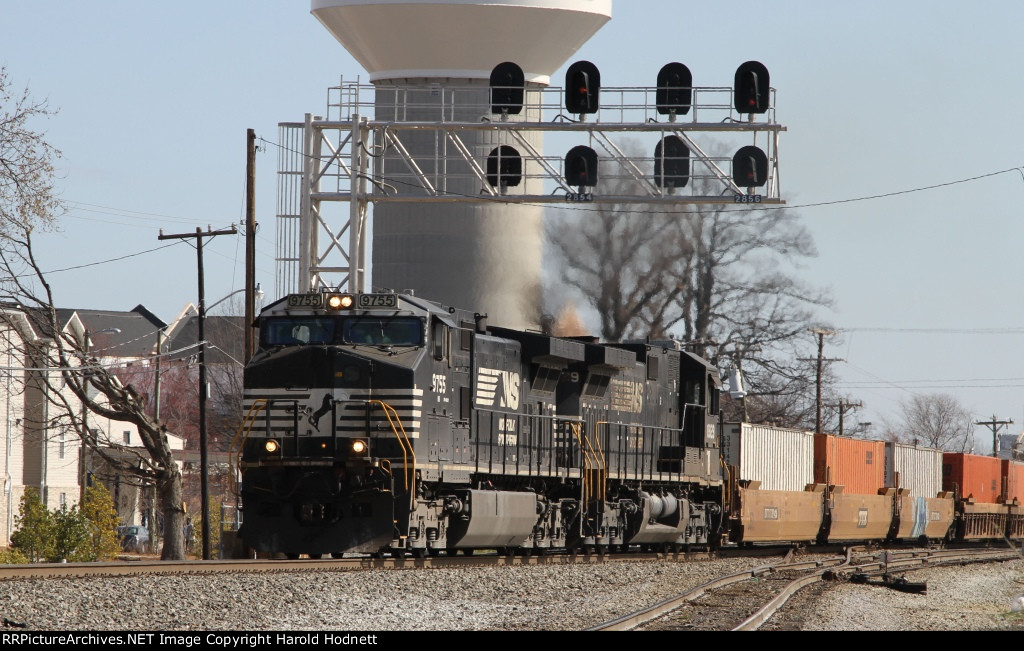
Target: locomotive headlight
271 446
359 447
340 301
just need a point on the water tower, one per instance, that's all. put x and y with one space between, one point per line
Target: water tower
429 61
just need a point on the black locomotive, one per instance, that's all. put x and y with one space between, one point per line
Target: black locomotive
386 423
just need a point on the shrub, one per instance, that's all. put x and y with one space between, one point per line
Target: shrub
99 509
71 536
34 523
12 557
77 534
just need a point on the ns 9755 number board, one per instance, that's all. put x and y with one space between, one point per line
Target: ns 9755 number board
377 300
305 300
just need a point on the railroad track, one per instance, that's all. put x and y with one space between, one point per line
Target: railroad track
129 565
747 600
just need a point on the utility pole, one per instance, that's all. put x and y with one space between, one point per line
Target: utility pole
821 332
995 425
154 530
844 407
250 244
204 461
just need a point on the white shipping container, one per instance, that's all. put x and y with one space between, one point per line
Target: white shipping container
919 468
781 459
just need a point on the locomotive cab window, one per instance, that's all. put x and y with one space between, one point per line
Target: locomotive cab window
297 331
692 393
652 367
439 339
375 331
465 335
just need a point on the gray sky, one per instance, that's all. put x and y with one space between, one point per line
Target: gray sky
902 156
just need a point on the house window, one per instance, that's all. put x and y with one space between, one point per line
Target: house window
63 444
63 500
127 437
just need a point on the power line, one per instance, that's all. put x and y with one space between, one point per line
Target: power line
130 213
582 208
954 331
118 259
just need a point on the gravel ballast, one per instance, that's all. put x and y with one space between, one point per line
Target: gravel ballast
516 598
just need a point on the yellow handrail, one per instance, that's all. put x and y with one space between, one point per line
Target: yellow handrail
235 451
577 431
403 440
602 460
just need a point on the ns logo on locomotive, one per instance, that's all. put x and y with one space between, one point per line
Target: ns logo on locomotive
386 423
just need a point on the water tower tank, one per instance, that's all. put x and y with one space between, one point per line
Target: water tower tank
478 256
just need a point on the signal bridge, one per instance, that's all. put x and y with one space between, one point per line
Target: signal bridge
659 148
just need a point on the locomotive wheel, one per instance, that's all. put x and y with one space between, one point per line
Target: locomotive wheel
337 554
316 557
292 557
434 552
419 552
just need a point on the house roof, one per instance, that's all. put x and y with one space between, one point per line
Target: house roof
225 336
118 334
134 334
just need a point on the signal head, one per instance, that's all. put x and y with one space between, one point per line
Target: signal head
751 88
582 88
674 94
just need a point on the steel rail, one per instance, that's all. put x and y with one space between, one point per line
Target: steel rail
875 563
916 561
632 620
133 565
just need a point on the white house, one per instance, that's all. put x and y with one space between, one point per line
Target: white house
38 449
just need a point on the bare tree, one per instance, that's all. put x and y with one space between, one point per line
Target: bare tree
937 420
720 278
623 265
69 379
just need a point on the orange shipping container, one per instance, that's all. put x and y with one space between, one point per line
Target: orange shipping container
1013 473
857 464
972 475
